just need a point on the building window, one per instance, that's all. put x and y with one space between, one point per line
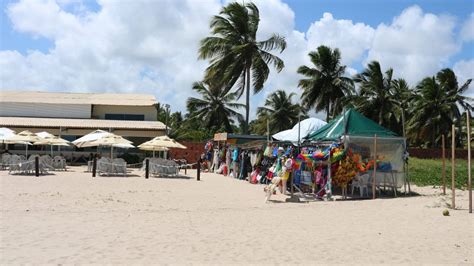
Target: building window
124 117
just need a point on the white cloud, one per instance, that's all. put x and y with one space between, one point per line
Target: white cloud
134 46
467 31
352 39
464 70
151 46
415 45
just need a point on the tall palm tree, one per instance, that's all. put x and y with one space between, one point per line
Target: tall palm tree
325 85
432 112
280 110
375 98
235 54
403 96
448 81
216 108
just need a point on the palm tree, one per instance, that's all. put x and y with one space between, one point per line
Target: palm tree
403 96
432 112
216 108
437 105
281 112
325 86
375 98
448 81
235 54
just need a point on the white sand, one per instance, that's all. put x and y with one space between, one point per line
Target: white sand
74 218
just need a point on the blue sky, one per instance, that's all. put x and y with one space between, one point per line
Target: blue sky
151 47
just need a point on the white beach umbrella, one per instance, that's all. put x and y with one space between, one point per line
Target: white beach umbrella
93 136
6 133
147 147
111 141
161 142
25 137
50 139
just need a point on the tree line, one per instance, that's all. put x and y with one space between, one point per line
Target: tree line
240 64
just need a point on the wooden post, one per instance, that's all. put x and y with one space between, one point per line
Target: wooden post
147 168
37 166
375 166
186 168
199 170
469 173
443 171
94 166
453 158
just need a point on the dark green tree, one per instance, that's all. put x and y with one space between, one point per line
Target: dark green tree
216 108
280 111
236 57
325 87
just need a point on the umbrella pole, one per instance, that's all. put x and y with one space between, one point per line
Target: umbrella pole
153 152
111 151
26 151
51 150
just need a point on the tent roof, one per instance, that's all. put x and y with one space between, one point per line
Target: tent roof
355 124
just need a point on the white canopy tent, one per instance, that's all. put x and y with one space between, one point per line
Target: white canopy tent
304 127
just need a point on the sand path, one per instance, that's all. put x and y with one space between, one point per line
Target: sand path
74 218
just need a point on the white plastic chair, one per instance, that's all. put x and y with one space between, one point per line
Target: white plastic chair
361 182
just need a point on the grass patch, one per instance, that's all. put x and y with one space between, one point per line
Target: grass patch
427 172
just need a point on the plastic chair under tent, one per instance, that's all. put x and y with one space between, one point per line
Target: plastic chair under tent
361 182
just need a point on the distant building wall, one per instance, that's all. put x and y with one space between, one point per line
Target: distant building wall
51 110
191 154
99 111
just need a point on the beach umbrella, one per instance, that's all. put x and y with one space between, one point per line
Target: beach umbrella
151 147
25 137
93 136
6 133
110 140
160 143
50 139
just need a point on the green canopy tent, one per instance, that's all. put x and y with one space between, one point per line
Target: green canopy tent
351 123
357 132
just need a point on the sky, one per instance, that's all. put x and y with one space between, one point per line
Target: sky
150 46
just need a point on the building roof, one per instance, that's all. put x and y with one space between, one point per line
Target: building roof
79 123
78 98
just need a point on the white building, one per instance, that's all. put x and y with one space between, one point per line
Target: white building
72 115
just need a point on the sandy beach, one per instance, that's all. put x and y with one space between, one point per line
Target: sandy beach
71 217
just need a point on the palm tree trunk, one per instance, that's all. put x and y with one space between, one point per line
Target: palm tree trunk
247 102
327 113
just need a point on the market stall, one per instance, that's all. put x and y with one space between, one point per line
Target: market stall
361 152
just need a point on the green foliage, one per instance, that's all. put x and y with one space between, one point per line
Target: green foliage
325 87
280 111
436 107
424 172
215 108
376 98
236 57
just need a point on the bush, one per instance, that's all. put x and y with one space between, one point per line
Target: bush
427 172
